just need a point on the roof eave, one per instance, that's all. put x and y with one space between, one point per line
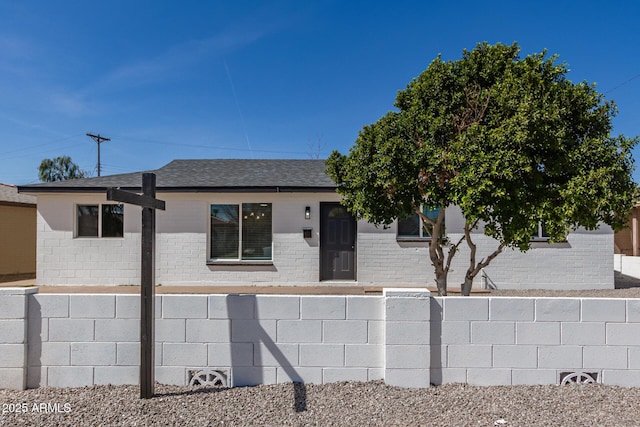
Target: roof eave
17 204
190 189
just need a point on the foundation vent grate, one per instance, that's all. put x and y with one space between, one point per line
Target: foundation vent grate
208 377
578 378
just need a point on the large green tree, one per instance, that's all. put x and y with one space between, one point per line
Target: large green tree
59 169
510 140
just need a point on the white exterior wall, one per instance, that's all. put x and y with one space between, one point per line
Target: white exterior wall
384 261
584 262
182 245
628 267
64 259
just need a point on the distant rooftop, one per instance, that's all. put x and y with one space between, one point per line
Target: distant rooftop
214 175
9 195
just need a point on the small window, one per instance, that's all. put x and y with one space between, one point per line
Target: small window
414 227
112 220
541 233
100 220
241 232
87 221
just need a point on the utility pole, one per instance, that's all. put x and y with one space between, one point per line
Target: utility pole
99 139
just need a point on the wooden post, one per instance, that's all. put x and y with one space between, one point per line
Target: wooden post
147 283
635 251
149 205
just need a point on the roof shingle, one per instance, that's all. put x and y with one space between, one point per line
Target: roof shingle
210 175
9 195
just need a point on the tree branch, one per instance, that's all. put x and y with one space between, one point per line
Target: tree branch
482 264
454 248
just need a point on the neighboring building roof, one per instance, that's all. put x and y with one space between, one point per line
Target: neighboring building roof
9 196
215 175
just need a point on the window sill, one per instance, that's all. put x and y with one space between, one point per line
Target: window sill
97 238
228 262
413 239
546 243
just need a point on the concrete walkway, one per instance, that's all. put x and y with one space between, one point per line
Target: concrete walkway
206 289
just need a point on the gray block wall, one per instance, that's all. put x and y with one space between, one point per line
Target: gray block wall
78 340
13 337
503 340
404 336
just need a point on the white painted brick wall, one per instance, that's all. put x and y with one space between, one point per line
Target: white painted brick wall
183 244
584 262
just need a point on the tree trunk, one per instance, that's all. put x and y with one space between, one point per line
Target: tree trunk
441 283
436 254
474 268
466 286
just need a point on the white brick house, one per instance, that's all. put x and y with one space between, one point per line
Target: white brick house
272 222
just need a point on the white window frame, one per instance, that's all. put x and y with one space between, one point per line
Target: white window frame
538 236
99 236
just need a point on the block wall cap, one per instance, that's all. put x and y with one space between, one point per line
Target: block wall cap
19 291
406 293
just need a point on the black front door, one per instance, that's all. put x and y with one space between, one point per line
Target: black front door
337 243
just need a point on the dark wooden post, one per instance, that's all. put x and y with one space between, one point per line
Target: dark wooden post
147 284
149 205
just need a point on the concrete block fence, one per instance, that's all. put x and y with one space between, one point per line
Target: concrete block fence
404 336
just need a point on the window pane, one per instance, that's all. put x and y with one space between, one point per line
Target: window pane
256 231
87 221
409 227
541 233
432 214
225 231
544 230
112 220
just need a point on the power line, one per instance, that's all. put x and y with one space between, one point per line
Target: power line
33 147
98 139
209 147
623 83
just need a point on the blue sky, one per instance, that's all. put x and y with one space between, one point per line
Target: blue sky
262 79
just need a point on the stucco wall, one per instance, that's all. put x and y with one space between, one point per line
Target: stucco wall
583 262
17 240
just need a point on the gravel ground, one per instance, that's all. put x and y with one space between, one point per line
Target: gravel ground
340 404
632 292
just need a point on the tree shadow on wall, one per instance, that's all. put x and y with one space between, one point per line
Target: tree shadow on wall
245 327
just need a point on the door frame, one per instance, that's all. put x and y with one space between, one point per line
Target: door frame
322 256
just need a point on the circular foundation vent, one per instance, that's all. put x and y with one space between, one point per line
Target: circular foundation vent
208 378
578 378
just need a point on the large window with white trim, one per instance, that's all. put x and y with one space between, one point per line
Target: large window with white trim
241 231
106 220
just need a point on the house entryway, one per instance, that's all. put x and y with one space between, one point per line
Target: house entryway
337 243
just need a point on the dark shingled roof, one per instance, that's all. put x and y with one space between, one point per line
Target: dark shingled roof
215 175
9 196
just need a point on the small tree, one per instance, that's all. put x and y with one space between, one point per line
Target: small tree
510 141
59 169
